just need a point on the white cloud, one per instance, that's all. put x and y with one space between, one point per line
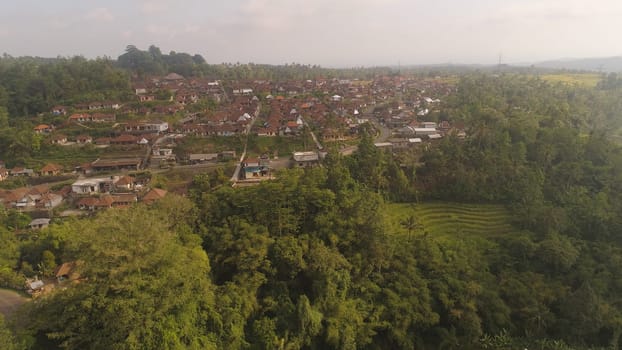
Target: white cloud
100 14
127 34
4 33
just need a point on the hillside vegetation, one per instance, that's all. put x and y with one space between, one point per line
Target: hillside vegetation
510 238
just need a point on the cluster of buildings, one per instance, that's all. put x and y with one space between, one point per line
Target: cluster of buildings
173 106
88 194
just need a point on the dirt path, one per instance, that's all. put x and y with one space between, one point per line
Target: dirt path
10 301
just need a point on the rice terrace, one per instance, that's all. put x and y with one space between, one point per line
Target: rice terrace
451 219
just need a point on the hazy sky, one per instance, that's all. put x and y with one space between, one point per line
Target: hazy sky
326 32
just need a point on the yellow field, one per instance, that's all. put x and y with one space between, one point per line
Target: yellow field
577 79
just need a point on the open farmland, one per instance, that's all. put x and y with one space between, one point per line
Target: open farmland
577 79
443 219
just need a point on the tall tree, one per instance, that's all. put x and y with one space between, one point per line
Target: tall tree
140 288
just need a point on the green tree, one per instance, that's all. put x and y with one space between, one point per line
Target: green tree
140 288
4 118
7 338
48 263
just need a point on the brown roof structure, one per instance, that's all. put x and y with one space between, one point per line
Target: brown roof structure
154 195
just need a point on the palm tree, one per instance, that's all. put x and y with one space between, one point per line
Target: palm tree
410 224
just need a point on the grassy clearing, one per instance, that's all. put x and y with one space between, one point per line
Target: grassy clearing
279 145
578 79
451 219
211 144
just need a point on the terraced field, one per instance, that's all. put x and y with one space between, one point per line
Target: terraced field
442 219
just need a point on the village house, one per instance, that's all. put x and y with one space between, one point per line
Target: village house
125 183
67 272
103 105
399 143
268 130
435 137
50 169
84 169
4 173
38 224
198 158
103 118
226 155
140 89
162 152
146 127
425 131
43 129
251 172
153 195
123 200
58 139
242 92
94 185
174 77
256 167
250 162
49 201
102 141
124 139
95 106
59 110
95 118
116 164
306 159
414 141
84 139
15 198
384 145
34 286
146 98
95 203
19 171
429 125
80 117
398 121
106 201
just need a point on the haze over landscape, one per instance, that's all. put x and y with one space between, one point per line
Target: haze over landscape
329 33
299 175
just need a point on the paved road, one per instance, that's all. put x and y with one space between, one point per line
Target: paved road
383 135
236 173
317 143
10 301
383 132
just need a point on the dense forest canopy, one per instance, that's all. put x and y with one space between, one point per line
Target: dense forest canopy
316 259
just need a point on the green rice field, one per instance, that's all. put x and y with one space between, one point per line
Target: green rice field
450 219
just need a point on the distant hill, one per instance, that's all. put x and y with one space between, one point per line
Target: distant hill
603 64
